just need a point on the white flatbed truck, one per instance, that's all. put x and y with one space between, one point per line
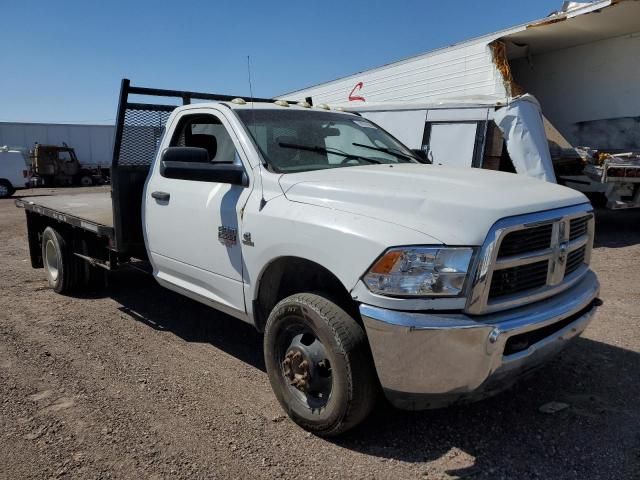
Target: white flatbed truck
367 270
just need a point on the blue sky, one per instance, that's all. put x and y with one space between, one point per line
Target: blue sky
62 61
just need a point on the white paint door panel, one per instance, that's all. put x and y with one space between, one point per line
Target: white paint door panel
183 231
452 144
184 238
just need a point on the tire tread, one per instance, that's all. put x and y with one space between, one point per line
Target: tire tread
352 340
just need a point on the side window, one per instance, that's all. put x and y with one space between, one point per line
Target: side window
205 131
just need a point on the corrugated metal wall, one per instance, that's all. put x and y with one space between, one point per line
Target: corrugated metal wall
464 70
93 143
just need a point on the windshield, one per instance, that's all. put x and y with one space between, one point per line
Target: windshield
303 140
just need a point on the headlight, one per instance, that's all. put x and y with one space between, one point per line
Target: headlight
420 271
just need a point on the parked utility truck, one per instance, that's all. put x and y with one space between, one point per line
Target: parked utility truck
480 132
509 135
366 269
54 165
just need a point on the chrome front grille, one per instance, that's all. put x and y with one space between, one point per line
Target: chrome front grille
531 257
574 260
578 227
518 279
522 241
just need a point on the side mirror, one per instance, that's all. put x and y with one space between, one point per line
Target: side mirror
421 154
331 132
191 163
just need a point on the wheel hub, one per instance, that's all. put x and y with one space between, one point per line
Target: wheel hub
296 368
306 369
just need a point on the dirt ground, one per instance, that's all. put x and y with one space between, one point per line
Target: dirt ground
137 382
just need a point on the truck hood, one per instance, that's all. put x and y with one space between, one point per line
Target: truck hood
453 205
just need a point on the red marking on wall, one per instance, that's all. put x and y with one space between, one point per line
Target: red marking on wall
355 98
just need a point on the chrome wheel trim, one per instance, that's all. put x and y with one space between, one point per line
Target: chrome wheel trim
51 260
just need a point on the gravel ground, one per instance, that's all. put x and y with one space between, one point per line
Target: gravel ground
137 382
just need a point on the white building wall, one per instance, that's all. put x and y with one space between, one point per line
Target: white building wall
595 83
462 70
93 143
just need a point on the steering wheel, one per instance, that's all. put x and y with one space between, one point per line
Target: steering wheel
346 160
362 161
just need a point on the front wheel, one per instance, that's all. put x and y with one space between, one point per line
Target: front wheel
319 364
6 189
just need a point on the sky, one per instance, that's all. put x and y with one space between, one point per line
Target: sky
63 60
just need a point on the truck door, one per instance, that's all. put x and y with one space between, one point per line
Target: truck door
192 227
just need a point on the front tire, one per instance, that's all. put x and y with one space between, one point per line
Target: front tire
319 364
6 189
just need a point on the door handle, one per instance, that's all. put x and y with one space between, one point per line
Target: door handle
163 196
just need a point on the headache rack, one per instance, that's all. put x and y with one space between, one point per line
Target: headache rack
139 130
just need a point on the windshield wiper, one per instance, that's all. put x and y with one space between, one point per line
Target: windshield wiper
395 153
318 149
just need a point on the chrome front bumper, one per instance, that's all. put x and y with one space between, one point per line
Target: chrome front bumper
430 360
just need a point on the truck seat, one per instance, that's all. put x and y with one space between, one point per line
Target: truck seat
208 142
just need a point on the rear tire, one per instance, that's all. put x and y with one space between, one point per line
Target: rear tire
6 189
86 181
339 389
597 199
60 266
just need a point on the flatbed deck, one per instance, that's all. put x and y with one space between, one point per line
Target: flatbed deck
90 211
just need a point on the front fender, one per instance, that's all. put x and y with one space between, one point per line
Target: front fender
346 244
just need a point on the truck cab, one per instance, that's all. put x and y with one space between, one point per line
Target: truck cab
367 270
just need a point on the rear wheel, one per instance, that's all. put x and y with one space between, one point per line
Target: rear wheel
86 180
60 266
597 199
319 364
6 189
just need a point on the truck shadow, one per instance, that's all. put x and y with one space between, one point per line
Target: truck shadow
617 228
142 299
506 436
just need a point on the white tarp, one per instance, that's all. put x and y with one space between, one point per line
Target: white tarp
406 125
523 129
